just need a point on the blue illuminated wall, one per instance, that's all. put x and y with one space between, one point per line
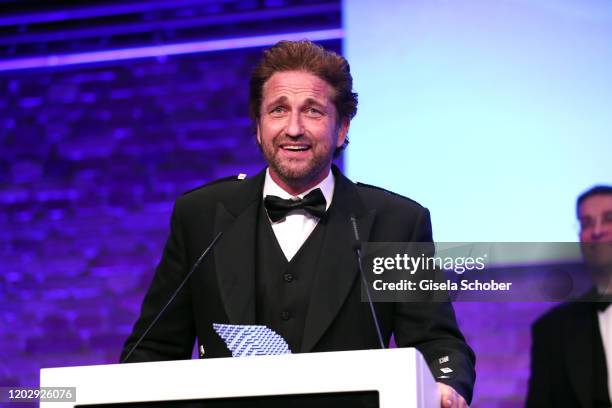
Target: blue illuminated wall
493 114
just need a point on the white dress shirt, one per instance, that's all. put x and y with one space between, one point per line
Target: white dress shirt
605 329
295 229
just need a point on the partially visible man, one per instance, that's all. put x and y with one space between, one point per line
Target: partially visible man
571 357
286 259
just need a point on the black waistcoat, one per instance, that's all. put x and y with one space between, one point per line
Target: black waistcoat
282 287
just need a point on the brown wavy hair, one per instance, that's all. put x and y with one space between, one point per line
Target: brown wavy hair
308 57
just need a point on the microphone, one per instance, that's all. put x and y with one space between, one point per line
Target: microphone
357 246
176 292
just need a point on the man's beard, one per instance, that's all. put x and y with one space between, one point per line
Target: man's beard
296 172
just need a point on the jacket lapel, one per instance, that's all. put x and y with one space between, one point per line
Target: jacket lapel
235 252
578 352
337 267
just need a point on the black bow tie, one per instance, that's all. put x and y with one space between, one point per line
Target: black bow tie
313 203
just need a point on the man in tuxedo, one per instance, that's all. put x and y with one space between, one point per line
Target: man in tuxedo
287 257
571 354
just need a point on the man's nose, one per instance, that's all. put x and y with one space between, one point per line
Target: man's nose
295 126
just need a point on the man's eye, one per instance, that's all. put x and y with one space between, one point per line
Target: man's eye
586 223
314 112
278 110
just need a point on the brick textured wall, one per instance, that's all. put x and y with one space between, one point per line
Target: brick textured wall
91 159
499 333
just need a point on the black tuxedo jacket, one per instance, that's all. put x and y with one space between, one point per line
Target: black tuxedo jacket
567 358
223 288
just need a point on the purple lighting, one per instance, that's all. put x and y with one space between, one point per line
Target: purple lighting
89 12
165 50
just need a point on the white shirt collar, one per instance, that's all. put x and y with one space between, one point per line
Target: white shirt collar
327 188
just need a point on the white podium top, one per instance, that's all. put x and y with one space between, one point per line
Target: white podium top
401 377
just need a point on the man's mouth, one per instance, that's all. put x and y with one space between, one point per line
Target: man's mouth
295 147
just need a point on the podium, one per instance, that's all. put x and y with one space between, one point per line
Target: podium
390 378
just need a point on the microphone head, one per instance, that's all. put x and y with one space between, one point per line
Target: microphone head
355 229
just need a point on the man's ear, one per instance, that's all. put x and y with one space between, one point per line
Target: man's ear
343 131
258 132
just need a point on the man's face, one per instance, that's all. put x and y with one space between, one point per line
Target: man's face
595 216
298 130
